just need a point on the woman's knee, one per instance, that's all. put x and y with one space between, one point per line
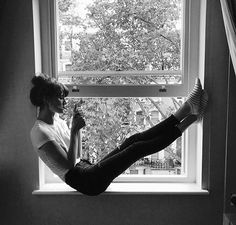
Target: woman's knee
130 140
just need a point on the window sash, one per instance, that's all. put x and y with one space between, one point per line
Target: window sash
50 39
184 50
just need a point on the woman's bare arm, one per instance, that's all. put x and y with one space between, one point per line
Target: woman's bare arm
73 150
77 123
56 154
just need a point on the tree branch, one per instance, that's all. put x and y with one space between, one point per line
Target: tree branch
154 26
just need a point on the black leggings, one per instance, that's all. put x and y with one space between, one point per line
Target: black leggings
93 179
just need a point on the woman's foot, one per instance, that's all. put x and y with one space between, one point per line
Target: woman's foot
194 98
190 119
203 105
192 105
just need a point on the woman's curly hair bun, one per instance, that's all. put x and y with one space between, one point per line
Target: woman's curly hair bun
39 81
45 87
37 92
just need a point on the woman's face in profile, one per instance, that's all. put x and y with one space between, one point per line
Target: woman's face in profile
57 103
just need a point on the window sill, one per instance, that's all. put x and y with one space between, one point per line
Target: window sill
130 188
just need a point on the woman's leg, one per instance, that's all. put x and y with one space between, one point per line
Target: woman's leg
94 179
159 129
190 107
116 164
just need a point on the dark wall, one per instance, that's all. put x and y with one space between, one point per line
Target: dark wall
18 173
18 162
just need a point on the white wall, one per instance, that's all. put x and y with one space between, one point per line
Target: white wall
18 162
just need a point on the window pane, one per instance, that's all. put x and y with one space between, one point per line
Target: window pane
119 35
110 120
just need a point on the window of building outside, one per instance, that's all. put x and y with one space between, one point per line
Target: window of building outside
127 64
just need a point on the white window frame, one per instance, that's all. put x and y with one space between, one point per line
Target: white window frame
46 54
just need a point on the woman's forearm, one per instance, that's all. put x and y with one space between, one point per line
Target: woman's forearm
74 149
79 144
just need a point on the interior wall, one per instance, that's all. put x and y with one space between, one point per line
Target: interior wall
18 162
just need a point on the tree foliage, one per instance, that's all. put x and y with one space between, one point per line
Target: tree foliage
123 35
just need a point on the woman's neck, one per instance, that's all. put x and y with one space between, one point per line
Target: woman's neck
46 116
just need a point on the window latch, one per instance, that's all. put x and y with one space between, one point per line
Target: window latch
163 89
75 88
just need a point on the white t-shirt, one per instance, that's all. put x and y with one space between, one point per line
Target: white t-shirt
42 132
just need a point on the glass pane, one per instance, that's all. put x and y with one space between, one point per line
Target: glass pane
109 121
119 35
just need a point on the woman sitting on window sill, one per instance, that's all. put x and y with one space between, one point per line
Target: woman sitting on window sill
58 146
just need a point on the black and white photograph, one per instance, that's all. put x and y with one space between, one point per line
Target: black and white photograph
118 112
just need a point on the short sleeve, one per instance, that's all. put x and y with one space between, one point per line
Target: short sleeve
39 137
65 127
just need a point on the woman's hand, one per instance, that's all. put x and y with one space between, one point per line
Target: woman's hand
77 120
